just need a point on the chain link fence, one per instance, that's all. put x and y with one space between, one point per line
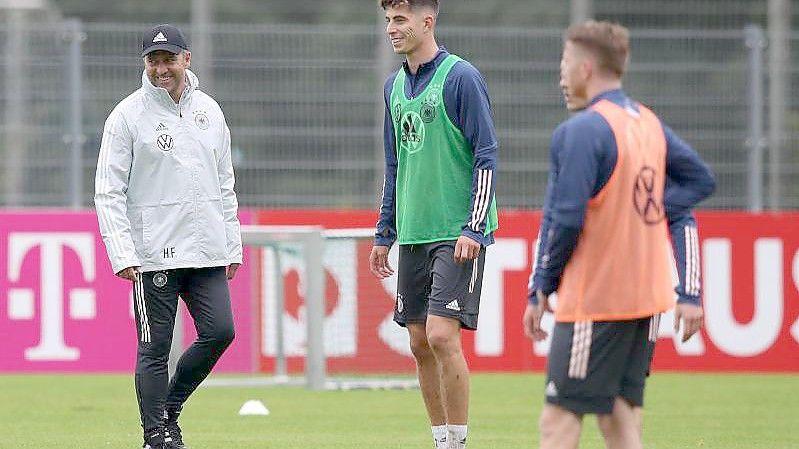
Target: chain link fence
305 108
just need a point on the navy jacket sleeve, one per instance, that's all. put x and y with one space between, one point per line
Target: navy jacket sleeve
534 282
467 104
688 181
685 241
386 232
582 159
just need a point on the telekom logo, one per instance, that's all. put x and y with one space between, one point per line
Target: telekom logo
22 301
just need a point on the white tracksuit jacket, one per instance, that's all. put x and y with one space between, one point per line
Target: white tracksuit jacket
164 185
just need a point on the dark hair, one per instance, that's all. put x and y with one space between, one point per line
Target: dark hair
608 41
413 4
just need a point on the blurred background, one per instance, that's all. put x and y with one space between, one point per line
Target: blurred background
300 83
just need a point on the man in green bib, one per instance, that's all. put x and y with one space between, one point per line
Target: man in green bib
438 205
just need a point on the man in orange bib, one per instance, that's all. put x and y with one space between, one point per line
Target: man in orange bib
620 181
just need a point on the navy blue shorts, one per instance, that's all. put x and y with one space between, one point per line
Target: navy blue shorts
592 363
431 283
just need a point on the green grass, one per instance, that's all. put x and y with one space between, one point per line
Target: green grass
682 411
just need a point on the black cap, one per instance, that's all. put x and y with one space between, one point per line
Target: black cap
163 37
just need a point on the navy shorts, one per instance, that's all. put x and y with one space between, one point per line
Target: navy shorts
592 363
431 283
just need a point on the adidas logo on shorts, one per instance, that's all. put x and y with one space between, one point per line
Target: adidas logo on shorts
453 305
552 390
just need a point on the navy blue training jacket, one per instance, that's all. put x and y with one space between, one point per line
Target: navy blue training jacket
468 107
583 155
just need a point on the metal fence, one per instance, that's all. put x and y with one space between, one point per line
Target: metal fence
305 109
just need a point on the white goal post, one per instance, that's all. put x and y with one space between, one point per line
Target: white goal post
286 247
311 238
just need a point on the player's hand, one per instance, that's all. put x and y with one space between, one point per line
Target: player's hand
378 262
231 270
129 273
531 322
466 249
691 317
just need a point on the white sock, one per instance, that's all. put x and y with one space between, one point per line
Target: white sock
440 436
456 436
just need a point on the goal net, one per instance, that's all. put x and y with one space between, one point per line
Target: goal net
323 319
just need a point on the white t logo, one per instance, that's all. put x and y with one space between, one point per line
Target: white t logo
51 345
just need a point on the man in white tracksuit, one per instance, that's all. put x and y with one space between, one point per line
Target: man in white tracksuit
167 213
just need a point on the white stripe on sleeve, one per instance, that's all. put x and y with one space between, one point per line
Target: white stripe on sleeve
695 250
482 199
106 224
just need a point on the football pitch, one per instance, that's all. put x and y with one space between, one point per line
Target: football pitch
682 411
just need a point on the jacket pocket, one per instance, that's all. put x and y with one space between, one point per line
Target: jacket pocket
167 233
213 243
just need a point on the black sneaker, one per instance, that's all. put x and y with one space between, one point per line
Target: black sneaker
173 430
156 439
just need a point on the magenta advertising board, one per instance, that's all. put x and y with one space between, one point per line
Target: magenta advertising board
63 310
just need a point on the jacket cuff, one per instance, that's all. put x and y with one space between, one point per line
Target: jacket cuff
547 285
383 241
688 299
121 264
476 236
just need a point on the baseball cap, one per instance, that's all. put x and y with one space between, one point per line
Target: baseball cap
163 37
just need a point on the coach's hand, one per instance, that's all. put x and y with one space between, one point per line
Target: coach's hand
231 270
378 262
531 322
129 273
691 317
466 249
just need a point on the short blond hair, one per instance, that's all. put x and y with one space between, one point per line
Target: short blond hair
609 42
